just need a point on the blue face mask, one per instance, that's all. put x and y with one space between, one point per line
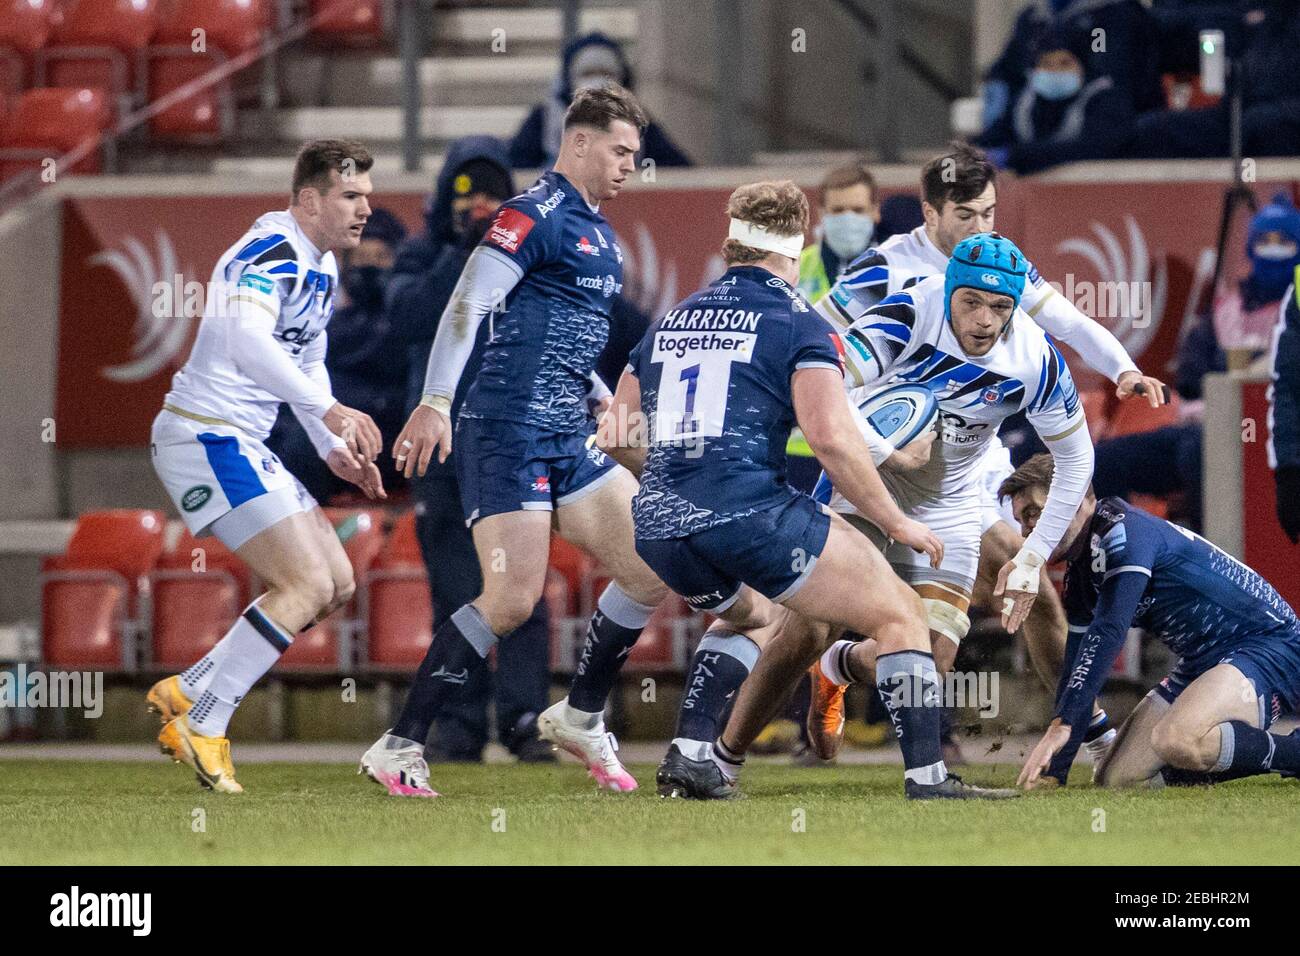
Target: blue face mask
1051 85
848 233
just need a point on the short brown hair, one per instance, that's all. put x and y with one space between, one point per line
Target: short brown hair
855 173
1036 472
599 106
959 175
318 157
779 206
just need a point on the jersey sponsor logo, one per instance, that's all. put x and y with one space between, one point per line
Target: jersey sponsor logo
700 600
548 207
585 246
258 283
196 498
796 300
509 229
606 286
679 344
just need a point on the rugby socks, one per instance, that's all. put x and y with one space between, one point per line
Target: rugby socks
835 662
721 664
728 761
1098 727
1245 751
910 690
460 647
250 648
613 630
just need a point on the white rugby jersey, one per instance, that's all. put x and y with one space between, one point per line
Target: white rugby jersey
262 337
901 261
907 338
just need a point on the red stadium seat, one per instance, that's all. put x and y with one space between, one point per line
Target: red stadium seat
228 27
199 589
357 23
49 122
662 645
95 42
91 594
1134 415
398 611
25 25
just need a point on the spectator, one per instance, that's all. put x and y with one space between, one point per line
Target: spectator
588 61
473 182
1120 32
1167 460
1265 37
848 213
1066 112
1284 415
360 352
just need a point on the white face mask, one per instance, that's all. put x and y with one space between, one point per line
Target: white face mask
1275 251
848 233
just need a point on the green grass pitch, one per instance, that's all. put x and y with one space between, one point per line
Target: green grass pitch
145 813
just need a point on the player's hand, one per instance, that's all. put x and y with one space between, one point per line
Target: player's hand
356 428
427 430
1135 383
919 538
360 472
914 455
1031 776
1018 587
599 406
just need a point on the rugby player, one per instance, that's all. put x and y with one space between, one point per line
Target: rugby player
963 336
1237 641
959 199
547 269
722 378
262 342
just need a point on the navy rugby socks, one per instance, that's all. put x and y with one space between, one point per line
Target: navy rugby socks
613 630
460 647
910 690
721 664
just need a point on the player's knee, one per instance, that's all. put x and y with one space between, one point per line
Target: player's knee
313 585
508 611
1179 744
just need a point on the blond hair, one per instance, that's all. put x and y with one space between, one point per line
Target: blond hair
780 207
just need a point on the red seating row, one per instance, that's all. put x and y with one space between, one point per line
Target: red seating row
118 600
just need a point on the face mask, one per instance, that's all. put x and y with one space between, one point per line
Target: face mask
365 285
1051 85
848 233
1276 252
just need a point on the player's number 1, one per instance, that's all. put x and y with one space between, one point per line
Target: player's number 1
691 376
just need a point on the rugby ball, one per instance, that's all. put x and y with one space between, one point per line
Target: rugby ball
899 413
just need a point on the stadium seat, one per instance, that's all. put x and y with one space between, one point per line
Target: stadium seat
359 23
1134 415
47 123
199 588
94 44
92 594
662 645
228 27
398 611
25 27
577 568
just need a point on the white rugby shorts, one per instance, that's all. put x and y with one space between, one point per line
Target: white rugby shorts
223 481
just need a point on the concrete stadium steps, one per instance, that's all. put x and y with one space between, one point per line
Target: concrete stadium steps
379 124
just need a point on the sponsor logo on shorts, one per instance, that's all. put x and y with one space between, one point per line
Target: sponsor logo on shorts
542 484
509 229
268 466
699 600
596 456
196 497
